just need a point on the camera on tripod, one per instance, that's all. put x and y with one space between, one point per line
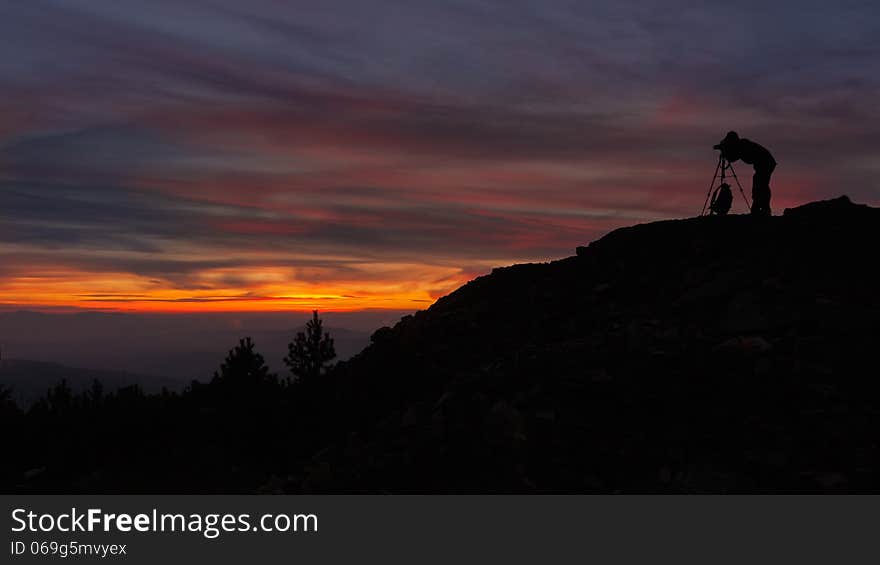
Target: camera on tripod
720 198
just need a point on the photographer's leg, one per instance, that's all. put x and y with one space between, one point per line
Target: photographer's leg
756 195
761 192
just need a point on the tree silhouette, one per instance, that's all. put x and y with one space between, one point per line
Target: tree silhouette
5 394
60 397
95 395
7 402
310 354
244 366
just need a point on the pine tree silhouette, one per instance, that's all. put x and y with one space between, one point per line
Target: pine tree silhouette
95 395
244 367
310 354
60 397
7 402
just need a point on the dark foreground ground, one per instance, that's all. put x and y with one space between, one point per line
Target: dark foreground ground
731 354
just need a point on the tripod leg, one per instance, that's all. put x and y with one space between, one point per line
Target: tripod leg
711 186
741 191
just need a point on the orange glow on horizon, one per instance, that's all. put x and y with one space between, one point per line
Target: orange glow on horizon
230 290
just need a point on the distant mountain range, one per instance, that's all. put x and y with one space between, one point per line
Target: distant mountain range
173 366
173 349
29 380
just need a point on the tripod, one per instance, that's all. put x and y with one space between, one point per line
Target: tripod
724 165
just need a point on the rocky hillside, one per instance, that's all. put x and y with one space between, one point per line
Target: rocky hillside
710 354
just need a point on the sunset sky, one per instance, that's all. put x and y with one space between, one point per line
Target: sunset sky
266 155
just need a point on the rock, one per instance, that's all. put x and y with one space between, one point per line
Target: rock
601 376
749 346
504 426
410 418
33 473
381 334
834 208
601 287
829 480
744 313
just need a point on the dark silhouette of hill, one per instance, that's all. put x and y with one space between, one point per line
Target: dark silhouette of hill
707 354
713 354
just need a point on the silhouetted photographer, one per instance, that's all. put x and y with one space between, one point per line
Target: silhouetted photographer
733 148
